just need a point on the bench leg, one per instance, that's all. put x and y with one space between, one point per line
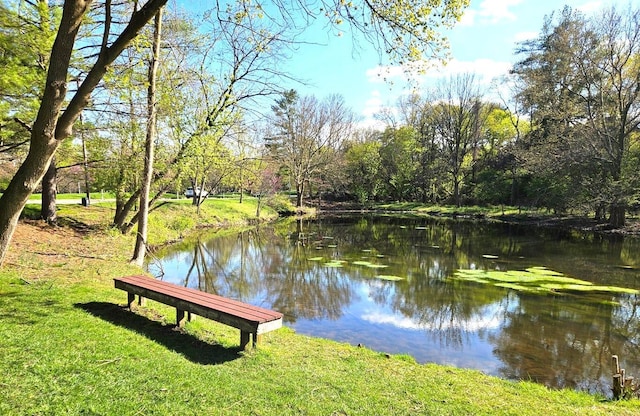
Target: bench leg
131 298
179 317
245 337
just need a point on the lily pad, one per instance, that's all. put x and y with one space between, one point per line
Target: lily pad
332 245
369 264
334 263
489 256
315 258
389 277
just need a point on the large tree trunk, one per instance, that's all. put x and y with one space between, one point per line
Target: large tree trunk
299 192
48 209
43 136
617 214
51 126
143 222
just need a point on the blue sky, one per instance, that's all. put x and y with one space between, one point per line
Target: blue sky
482 43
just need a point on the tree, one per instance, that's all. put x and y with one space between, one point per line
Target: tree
363 166
612 98
580 81
264 182
306 130
405 29
143 222
399 156
26 36
456 118
53 124
209 79
497 164
416 111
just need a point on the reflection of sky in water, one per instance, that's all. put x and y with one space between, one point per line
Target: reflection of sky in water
377 327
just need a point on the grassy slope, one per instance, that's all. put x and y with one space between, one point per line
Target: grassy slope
69 347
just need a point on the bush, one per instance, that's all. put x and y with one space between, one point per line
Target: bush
281 204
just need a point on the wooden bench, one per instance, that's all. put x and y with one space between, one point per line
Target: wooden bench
250 320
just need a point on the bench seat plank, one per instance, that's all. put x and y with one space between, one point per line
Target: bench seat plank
250 319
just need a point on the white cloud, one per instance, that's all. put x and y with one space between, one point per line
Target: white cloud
373 106
490 12
522 36
485 69
590 7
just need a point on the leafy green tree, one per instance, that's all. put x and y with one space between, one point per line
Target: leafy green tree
496 181
399 157
27 32
429 182
364 168
27 36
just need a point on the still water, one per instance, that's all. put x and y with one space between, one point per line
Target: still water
329 278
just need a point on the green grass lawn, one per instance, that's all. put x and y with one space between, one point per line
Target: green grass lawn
70 347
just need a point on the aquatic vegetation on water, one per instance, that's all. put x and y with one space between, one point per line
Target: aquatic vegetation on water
369 264
536 280
389 277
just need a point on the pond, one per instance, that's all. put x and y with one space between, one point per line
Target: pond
461 293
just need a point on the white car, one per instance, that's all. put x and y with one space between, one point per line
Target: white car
190 194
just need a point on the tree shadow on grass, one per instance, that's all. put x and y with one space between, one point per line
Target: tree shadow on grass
190 347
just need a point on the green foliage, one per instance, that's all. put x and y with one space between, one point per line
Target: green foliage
281 203
399 155
27 32
407 30
364 167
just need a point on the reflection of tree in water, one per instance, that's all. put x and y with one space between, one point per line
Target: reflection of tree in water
301 288
560 342
257 264
448 311
227 265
